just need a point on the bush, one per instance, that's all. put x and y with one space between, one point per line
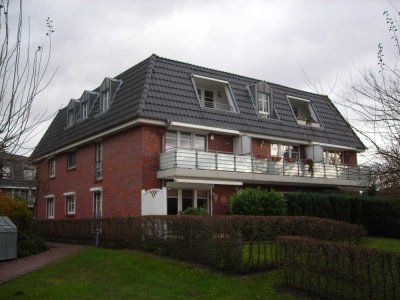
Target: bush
381 217
340 271
195 211
257 202
17 210
29 245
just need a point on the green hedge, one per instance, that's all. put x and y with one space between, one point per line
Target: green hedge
231 243
340 271
381 217
257 202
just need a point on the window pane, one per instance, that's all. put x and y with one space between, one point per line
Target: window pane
274 149
209 99
202 203
200 142
186 140
71 159
170 140
172 206
295 151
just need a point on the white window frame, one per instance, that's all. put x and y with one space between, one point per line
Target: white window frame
194 191
265 108
53 210
192 140
52 168
70 204
105 100
95 193
84 109
99 159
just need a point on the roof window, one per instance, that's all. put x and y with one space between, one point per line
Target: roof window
107 91
72 112
214 93
303 111
263 94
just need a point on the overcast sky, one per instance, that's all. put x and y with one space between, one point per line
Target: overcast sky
270 40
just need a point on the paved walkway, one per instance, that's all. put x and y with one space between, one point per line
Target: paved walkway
18 267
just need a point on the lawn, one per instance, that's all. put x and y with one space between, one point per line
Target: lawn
104 274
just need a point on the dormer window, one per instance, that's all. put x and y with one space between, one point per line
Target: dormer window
105 100
71 117
263 96
84 110
303 111
72 112
264 103
214 93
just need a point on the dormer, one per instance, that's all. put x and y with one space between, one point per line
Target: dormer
107 92
303 111
72 112
214 93
86 103
263 94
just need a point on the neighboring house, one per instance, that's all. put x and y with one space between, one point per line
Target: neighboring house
201 133
17 178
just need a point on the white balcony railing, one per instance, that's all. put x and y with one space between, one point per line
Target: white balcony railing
216 161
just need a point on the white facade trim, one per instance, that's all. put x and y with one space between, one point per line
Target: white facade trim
96 189
276 138
205 181
209 78
201 127
17 187
49 196
297 98
69 194
336 146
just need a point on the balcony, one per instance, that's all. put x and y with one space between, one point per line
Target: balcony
216 165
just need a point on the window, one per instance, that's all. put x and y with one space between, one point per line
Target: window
52 168
288 152
70 205
29 173
99 160
264 103
179 200
105 100
214 93
209 99
71 117
6 172
333 157
71 160
50 208
84 110
187 199
185 140
97 205
303 111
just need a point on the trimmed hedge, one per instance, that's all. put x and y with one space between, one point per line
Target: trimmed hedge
381 217
231 243
257 202
340 271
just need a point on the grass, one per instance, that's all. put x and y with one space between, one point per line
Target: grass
104 274
382 243
116 274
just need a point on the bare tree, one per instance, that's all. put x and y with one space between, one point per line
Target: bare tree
375 99
23 76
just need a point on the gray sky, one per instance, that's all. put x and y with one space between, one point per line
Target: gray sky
270 40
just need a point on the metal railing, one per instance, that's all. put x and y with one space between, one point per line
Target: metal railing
216 105
219 161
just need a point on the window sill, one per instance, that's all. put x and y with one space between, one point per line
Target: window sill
52 177
71 169
98 180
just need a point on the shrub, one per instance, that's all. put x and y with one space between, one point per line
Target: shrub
17 210
340 271
380 216
257 202
195 211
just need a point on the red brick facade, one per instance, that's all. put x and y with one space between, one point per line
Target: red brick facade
130 164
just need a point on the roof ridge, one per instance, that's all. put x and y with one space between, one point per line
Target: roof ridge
146 84
235 74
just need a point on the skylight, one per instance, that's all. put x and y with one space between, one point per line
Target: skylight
303 111
214 93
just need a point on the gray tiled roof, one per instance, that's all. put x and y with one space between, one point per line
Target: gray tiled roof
161 88
16 163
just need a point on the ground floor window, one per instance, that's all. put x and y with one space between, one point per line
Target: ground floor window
97 204
50 208
179 200
70 205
